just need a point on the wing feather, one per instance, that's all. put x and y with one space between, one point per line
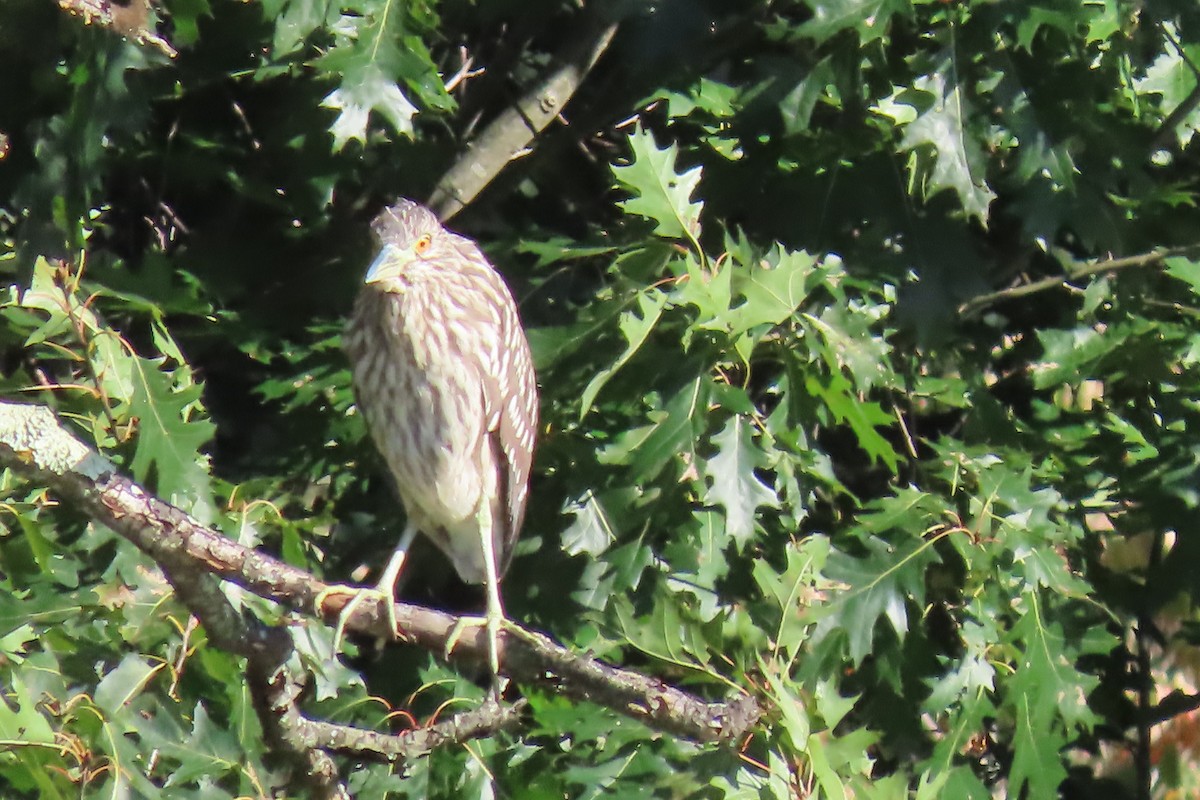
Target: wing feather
510 400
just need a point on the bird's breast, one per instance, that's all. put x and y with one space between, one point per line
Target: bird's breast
423 403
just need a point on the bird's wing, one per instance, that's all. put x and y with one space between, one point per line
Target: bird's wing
510 399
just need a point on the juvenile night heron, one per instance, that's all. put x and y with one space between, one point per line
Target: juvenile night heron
443 376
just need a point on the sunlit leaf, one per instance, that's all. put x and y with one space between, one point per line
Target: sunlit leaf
734 484
940 127
361 93
660 193
170 435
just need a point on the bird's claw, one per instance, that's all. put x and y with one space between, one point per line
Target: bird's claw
358 595
456 632
492 626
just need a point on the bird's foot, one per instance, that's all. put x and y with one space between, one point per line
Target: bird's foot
358 596
492 626
456 632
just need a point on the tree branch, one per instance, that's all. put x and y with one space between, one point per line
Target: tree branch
266 650
463 726
1073 272
34 443
507 137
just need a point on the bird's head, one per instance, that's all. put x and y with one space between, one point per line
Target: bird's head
409 235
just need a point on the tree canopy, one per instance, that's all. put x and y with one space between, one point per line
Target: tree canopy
866 332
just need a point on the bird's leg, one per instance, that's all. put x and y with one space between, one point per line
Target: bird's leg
386 587
495 610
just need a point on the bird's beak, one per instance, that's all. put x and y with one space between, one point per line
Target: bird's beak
390 262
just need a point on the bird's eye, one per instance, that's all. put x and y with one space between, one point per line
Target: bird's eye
422 245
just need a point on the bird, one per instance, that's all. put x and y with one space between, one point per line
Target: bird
443 376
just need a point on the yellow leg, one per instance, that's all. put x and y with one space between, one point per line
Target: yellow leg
495 610
386 588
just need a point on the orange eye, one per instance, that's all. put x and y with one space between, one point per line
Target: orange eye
422 245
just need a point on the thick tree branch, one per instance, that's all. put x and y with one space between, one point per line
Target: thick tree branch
33 442
507 137
1073 272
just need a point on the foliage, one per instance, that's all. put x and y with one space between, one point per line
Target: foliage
793 445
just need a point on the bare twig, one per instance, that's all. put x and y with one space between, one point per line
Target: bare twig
1073 272
33 443
459 79
511 133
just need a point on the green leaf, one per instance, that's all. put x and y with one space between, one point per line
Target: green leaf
971 675
121 685
940 130
169 435
671 435
635 328
1173 77
1037 15
661 194
1104 20
380 66
848 342
699 560
1138 446
364 91
879 585
862 417
1072 354
709 290
792 712
772 289
295 21
707 96
208 751
1047 674
185 16
869 18
792 591
591 532
20 718
733 483
1049 694
666 633
796 107
1186 270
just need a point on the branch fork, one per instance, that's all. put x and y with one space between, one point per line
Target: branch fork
34 443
